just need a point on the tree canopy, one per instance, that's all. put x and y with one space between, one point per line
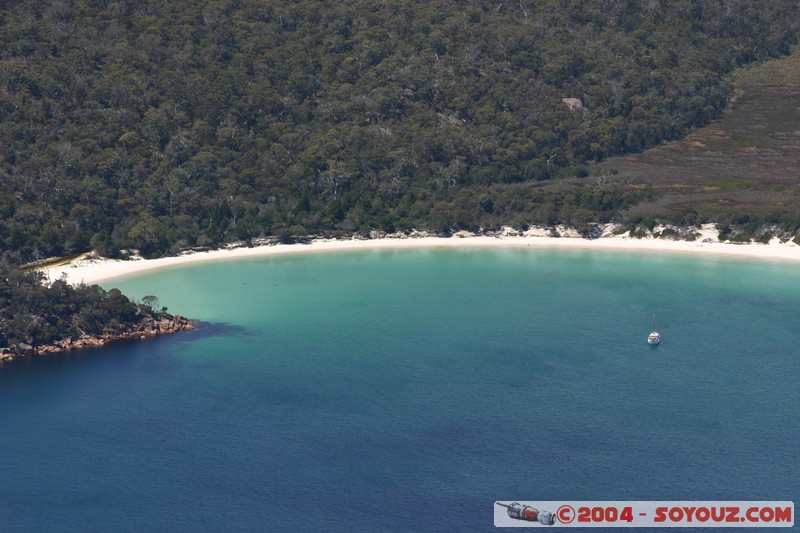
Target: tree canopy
160 126
36 313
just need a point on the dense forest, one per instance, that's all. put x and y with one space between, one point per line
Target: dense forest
35 314
161 126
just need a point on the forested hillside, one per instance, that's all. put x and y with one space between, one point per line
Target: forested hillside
163 125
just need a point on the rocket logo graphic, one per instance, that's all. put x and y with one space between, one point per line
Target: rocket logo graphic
529 514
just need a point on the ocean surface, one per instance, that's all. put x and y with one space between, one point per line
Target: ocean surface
409 390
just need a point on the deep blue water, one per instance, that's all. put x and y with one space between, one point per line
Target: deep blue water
409 390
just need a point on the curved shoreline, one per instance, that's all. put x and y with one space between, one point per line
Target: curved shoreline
92 271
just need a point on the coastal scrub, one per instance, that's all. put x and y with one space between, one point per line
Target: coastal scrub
38 318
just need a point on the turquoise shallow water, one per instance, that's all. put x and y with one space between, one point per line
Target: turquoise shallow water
409 390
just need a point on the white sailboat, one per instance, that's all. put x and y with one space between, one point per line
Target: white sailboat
654 337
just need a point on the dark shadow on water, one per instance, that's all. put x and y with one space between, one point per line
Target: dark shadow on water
215 329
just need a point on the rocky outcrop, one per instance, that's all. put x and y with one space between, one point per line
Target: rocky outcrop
148 327
573 103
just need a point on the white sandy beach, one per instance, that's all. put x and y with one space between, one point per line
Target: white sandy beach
98 270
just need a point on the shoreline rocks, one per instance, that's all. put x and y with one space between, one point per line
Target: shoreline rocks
149 327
